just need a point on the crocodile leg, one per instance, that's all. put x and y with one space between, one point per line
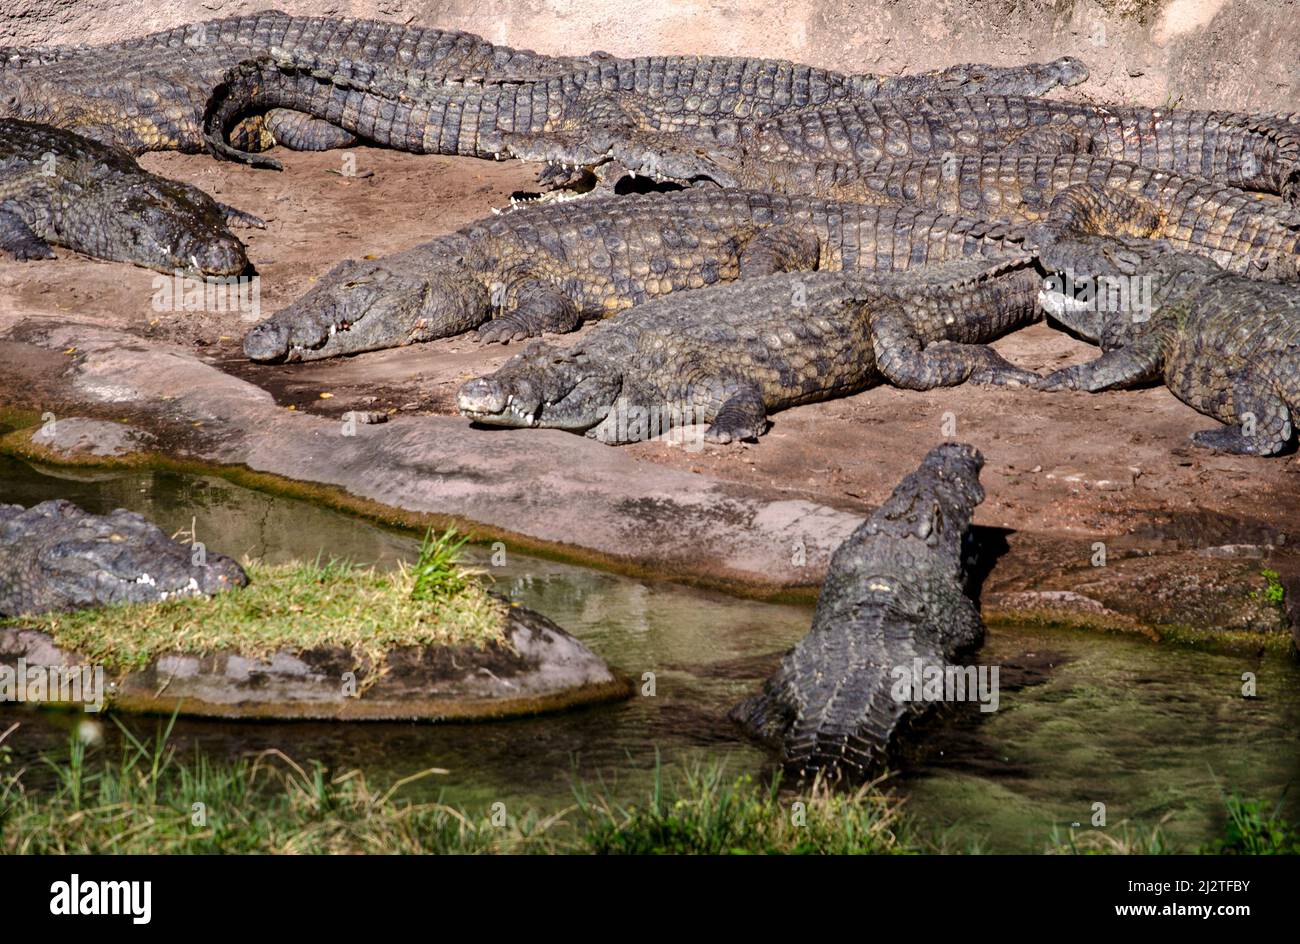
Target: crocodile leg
237 217
1116 369
909 363
779 249
1263 426
741 416
1087 209
539 308
20 240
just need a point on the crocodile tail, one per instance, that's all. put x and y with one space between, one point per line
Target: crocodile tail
1282 132
231 98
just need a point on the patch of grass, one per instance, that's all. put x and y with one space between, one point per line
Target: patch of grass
290 607
147 799
1124 840
710 815
1253 831
438 572
1274 592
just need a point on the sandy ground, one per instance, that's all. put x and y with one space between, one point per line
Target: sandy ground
1075 467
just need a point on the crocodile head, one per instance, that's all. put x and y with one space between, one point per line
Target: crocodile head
158 224
81 560
1108 289
935 503
365 305
544 386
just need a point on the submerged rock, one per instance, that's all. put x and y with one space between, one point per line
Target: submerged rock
77 437
55 556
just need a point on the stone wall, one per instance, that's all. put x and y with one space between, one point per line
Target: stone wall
1198 53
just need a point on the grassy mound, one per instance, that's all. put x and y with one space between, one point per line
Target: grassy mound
294 607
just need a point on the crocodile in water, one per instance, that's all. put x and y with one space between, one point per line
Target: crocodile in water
894 606
55 556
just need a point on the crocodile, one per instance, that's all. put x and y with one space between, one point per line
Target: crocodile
58 188
730 355
55 556
1250 151
896 598
585 112
1225 345
152 92
1067 194
549 267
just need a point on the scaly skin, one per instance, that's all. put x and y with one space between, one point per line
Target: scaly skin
731 355
54 556
1224 345
1253 152
896 591
57 188
150 93
550 267
1070 194
585 112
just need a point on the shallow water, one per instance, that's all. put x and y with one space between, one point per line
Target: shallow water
1155 733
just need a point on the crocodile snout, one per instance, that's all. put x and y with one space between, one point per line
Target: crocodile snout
488 400
267 341
481 396
221 256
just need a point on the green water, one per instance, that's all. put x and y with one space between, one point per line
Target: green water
1155 733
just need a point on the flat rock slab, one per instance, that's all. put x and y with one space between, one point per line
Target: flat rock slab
546 486
541 669
79 436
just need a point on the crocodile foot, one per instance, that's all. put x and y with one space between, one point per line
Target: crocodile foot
1231 439
237 217
1005 375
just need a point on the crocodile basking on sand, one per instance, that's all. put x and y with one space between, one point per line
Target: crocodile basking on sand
55 556
58 188
1224 345
152 92
729 356
1252 152
550 267
1069 193
896 597
582 112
